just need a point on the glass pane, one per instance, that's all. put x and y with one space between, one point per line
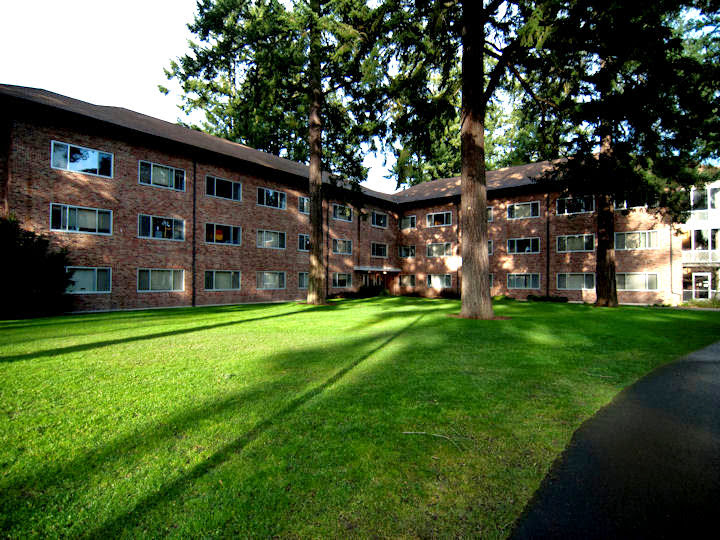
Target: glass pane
223 280
633 241
161 280
145 226
575 281
562 243
105 164
589 242
144 280
210 232
209 280
635 281
103 279
180 180
589 281
60 156
223 188
701 239
236 280
56 215
714 239
576 243
652 280
145 173
162 227
699 199
282 200
237 191
271 198
178 276
83 280
651 239
261 196
87 220
179 230
83 160
562 281
715 197
535 281
620 281
210 185
222 234
162 176
237 236
104 225
72 219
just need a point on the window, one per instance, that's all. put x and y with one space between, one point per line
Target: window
523 281
490 214
222 280
270 280
304 205
576 242
439 219
379 220
702 240
341 281
439 281
69 157
636 240
216 233
575 205
490 247
224 189
407 222
576 282
491 279
271 239
89 280
303 280
342 213
271 198
518 246
161 228
79 219
303 242
160 280
378 250
407 252
152 174
342 247
524 210
439 250
637 200
636 282
407 281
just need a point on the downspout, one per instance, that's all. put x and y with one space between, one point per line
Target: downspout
547 244
194 241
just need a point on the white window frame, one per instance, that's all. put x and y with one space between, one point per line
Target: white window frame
566 236
151 237
568 274
52 156
429 219
413 279
407 256
151 270
307 278
232 227
282 198
308 242
557 205
335 280
527 203
646 274
447 281
373 249
95 269
539 241
65 208
238 272
376 213
215 179
334 212
300 200
531 288
645 233
174 170
335 243
257 281
263 231
445 250
408 217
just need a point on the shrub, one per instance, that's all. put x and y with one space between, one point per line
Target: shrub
365 291
33 279
538 298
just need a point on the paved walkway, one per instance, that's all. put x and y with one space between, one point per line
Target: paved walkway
645 466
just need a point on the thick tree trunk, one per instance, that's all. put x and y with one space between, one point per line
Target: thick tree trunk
476 302
605 286
316 286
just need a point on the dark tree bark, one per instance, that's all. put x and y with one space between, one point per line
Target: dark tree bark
605 286
476 302
316 286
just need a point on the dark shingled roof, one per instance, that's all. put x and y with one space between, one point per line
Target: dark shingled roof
508 177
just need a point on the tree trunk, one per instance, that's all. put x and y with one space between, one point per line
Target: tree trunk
316 286
605 286
476 302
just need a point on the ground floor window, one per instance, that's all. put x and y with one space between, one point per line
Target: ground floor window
439 281
341 281
89 280
303 278
523 281
407 281
271 280
160 280
576 281
637 281
222 280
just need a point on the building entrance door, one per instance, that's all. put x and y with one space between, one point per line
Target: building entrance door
701 285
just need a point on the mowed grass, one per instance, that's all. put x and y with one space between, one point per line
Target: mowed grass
294 421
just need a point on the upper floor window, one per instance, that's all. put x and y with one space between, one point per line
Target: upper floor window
636 281
575 205
152 174
270 280
160 280
407 252
702 240
161 228
342 212
271 239
271 198
490 247
89 280
303 242
576 242
523 245
490 213
523 210
69 157
222 280
224 189
407 222
217 233
439 219
439 250
576 281
342 247
379 220
378 250
68 218
636 240
304 205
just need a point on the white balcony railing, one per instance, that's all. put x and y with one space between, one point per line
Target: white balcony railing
689 294
703 217
701 256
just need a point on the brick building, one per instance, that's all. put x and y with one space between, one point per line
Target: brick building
155 214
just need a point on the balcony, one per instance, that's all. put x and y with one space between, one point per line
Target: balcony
701 256
704 217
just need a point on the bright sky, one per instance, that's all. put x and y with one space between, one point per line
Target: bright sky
107 53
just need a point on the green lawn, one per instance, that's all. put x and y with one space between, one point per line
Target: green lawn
290 420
